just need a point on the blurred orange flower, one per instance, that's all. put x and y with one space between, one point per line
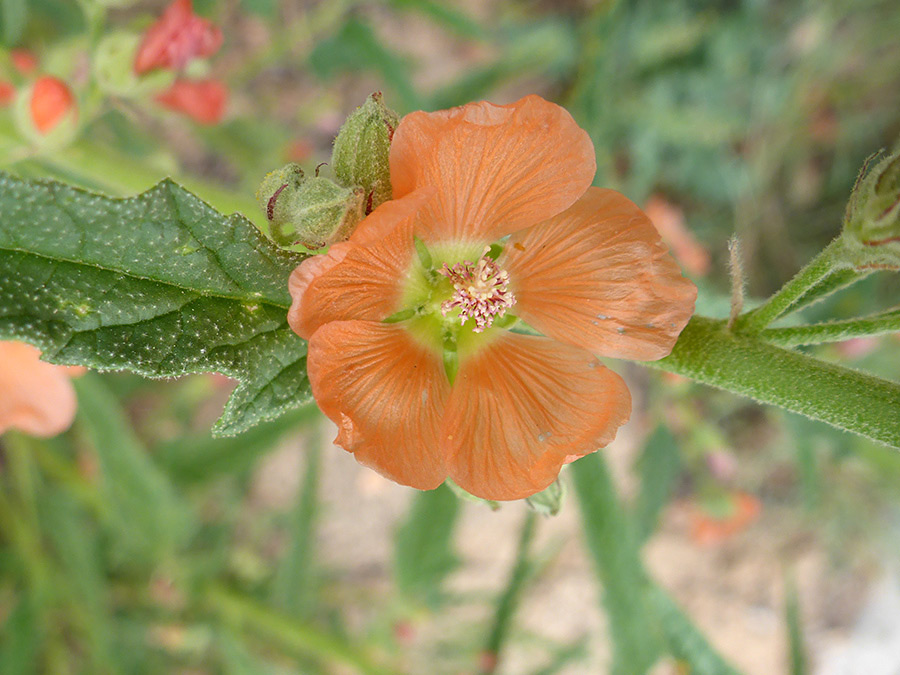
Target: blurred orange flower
407 321
178 37
707 529
669 220
35 397
203 101
51 102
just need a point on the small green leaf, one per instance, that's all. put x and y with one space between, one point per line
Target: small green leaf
658 466
13 17
424 551
147 515
293 588
797 650
198 458
685 641
160 284
611 542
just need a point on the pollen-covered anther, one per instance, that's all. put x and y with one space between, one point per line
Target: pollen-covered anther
480 291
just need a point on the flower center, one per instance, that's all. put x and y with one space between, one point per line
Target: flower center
480 291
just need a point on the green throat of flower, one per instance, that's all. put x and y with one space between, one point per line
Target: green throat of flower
455 300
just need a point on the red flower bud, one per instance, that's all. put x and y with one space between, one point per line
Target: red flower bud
202 100
51 101
178 37
24 60
7 93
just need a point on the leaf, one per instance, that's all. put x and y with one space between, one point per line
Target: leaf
511 597
844 398
199 458
20 638
659 466
424 550
797 651
13 17
293 587
610 540
160 284
147 515
685 641
356 47
76 545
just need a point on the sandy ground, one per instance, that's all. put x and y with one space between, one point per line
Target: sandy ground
734 591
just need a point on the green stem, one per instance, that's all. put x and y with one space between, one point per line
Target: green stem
809 277
834 331
830 284
293 635
506 606
844 398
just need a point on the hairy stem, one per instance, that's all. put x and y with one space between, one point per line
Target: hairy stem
834 331
844 398
822 266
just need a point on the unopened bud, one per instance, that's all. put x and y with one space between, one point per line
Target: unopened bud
872 219
113 69
549 501
308 210
46 112
360 156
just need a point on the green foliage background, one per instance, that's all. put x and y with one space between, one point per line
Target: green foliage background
124 544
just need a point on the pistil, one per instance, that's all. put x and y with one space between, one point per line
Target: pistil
480 291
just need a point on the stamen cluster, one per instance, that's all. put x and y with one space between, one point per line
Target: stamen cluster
481 291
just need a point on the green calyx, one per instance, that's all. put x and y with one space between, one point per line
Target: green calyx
872 220
361 150
425 293
308 210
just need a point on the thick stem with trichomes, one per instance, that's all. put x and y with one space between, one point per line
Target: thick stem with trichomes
822 266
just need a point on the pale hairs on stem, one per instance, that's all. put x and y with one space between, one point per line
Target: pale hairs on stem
736 268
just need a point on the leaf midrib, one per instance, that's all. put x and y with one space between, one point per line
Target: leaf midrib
262 300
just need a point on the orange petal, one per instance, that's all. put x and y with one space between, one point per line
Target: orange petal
497 169
598 277
386 393
520 406
360 278
35 397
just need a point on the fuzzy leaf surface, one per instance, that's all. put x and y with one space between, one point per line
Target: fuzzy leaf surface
160 284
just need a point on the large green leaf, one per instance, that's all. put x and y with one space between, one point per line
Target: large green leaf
160 284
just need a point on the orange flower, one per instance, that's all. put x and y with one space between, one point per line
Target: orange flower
178 37
203 101
410 351
706 529
51 101
35 397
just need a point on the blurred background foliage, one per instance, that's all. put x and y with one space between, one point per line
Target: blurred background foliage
136 543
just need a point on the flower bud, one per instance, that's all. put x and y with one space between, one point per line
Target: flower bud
204 101
113 71
46 112
7 93
360 156
549 501
312 211
23 60
872 219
